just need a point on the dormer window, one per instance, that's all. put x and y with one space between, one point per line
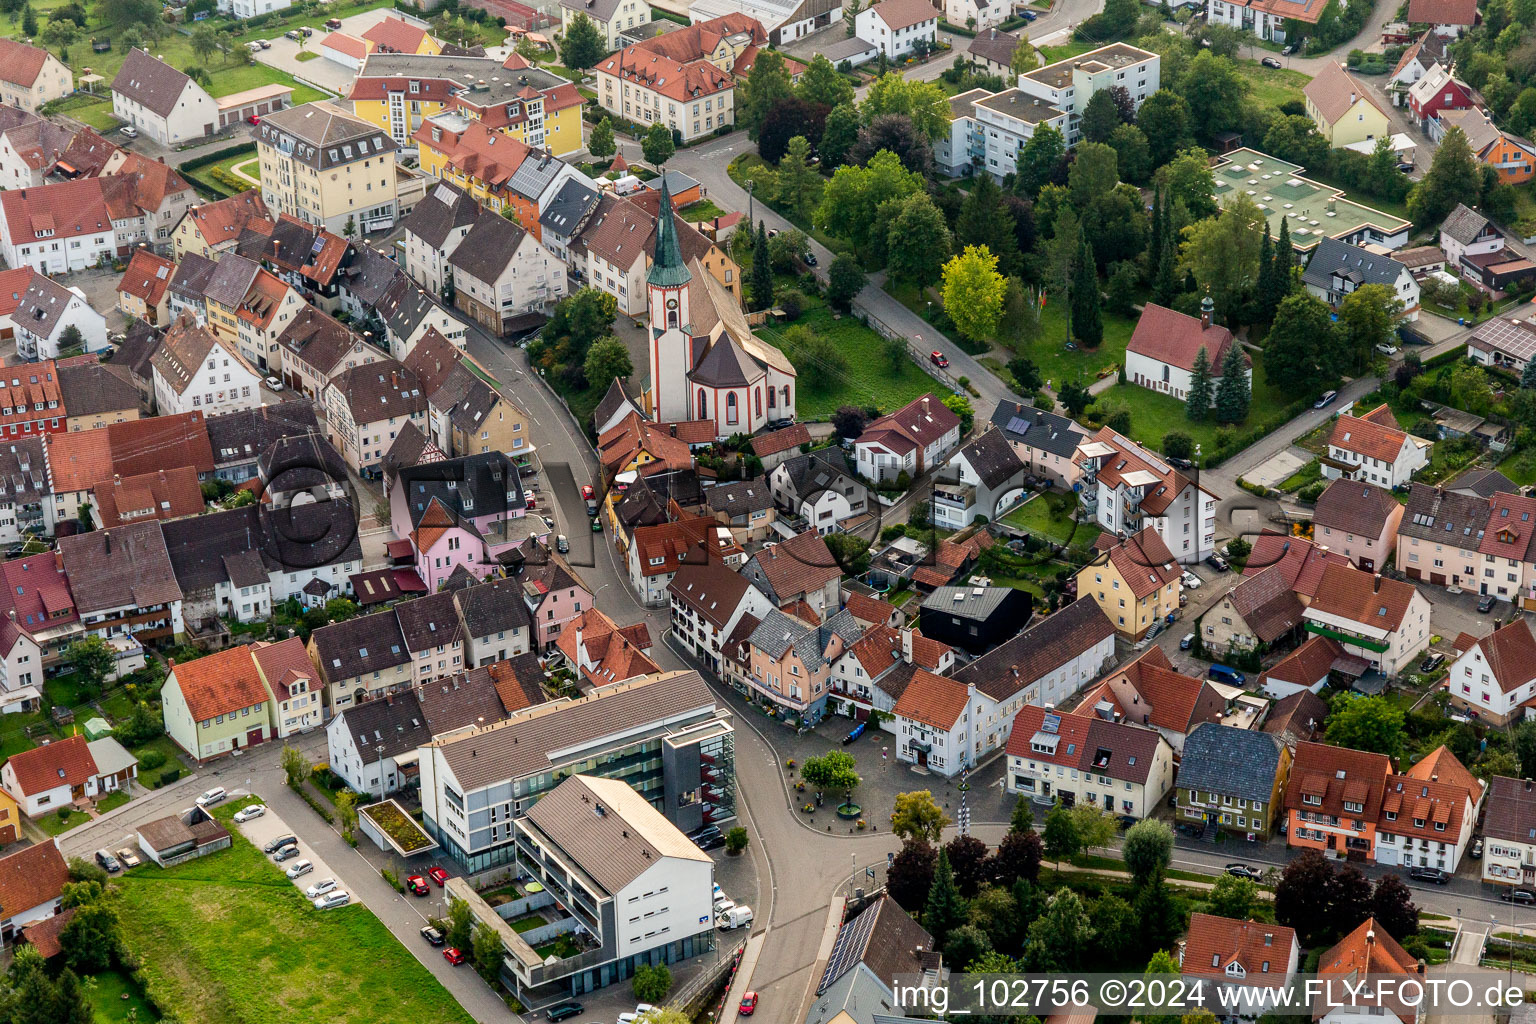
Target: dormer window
1391 815
1308 798
1353 807
1418 822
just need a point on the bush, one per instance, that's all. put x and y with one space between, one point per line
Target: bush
151 759
792 303
170 775
1313 491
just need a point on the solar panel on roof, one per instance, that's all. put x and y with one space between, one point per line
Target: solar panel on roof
1018 425
1051 723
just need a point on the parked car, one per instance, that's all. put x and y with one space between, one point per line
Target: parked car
1215 561
1325 399
710 840
417 885
254 47
1476 852
1525 896
1245 871
305 31
265 44
438 875
216 795
130 859
938 358
129 131
780 424
292 34
748 1004
253 119
736 917
334 898
1187 641
250 813
1485 603
453 956
320 888
597 524
1431 663
1226 674
433 936
1190 580
1271 62
286 853
1030 15
281 841
529 502
1434 875
300 869
333 23
561 1011
1289 49
1387 349
562 545
108 861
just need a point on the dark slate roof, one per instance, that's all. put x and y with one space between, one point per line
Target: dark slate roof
91 388
1484 483
368 273
884 938
778 632
1044 431
380 391
740 498
488 480
192 275
1048 644
406 450
1354 263
197 545
367 643
135 351
240 437
972 605
1511 810
571 205
725 365
430 621
814 472
492 607
444 208
323 135
1443 516
467 399
992 458
1232 762
396 723
123 566
1463 224
462 699
299 462
149 82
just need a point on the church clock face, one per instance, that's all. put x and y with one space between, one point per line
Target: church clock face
671 303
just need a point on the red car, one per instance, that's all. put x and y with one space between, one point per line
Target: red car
253 119
417 885
748 1004
453 956
528 502
438 875
938 358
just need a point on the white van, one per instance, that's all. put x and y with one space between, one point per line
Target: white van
734 917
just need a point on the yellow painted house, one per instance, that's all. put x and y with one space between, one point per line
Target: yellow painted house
1345 109
397 92
1136 581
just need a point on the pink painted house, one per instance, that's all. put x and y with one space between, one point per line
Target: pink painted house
1359 521
554 594
465 512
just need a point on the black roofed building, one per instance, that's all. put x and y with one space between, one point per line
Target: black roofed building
1231 780
133 355
981 479
1338 268
504 278
411 447
238 439
188 286
820 488
96 394
367 406
496 623
1048 662
433 635
436 226
1043 441
468 416
975 618
564 217
361 659
465 512
123 581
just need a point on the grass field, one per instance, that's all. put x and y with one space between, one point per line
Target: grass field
113 994
867 380
1270 87
1048 515
228 938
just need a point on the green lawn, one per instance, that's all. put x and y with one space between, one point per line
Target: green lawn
52 824
867 379
307 55
1308 474
1520 467
1153 414
1270 87
166 746
1031 579
1059 364
113 994
704 209
112 801
1047 515
250 76
227 938
1052 54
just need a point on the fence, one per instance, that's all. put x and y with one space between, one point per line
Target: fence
921 358
693 997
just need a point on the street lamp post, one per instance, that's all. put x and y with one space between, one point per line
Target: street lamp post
751 188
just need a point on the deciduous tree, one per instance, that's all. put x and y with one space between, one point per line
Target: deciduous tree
910 875
917 244
1147 850
973 292
607 359
924 102
1062 938
1039 161
657 146
767 83
1233 897
917 816
894 133
969 861
1060 835
821 83
1164 120
845 279
600 143
850 200
1393 908
1366 723
92 660
1018 856
1297 352
839 134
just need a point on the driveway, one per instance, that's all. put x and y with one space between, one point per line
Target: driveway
319 72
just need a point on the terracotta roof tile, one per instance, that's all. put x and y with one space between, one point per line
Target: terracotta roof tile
933 700
1263 951
1174 338
65 762
1362 597
32 877
1370 435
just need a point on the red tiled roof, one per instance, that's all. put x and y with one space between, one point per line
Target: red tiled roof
25 386
65 762
79 460
1371 435
147 277
1306 665
140 446
1302 560
871 610
217 684
479 152
44 935
1174 338
1333 774
31 877
1510 652
781 440
20 64
931 699
676 81
1143 561
395 35
900 14
65 208
346 44
222 221
164 494
1362 597
799 565
1442 12
1263 951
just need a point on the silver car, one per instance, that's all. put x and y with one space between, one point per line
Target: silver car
303 867
286 853
335 898
249 813
320 888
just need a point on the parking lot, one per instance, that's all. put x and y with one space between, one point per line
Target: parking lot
268 827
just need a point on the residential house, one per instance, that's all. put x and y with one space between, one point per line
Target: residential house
1241 968
565 215
1089 760
655 553
32 148
1495 675
1300 715
1372 448
146 199
1150 693
53 321
59 228
327 167
1334 800
163 103
1047 662
1509 852
466 511
360 659
778 446
32 883
315 349
975 618
1337 268
1126 489
746 506
1465 232
934 725
1430 49
615 251
820 488
30 76
798 569
1508 573
874 946
1136 581
195 371
210 229
293 686
981 479
10 819
554 594
308 258
123 583
612 17
1429 813
1306 669
1440 534
217 704
435 228
433 636
899 27
165 494
707 601
1259 613
1359 521
980 15
992 50
1232 780
910 441
520 760
792 660
503 278
1045 442
188 285
366 406
467 416
57 774
602 653
249 308
1344 108
1438 91
1166 346
497 623
1059 93
1449 18
1266 19
142 292
1384 622
1513 157
238 440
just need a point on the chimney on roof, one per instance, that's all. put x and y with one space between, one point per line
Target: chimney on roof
107 542
170 664
1376 584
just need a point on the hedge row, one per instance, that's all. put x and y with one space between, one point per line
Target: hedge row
227 152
